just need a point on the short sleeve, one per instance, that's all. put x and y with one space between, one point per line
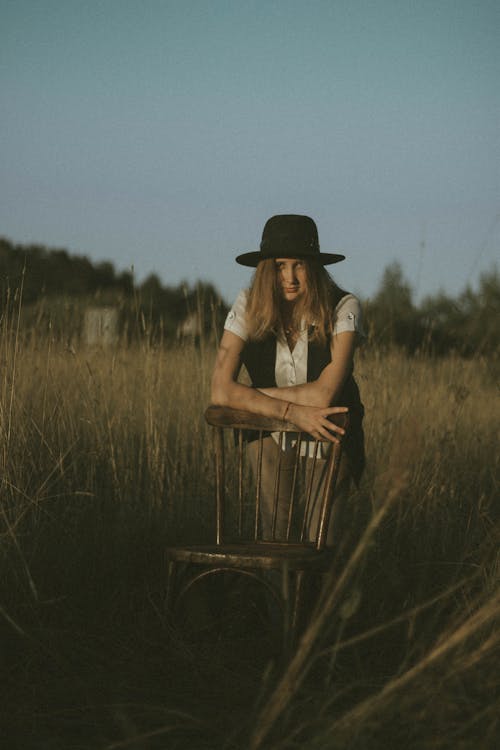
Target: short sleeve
348 316
236 317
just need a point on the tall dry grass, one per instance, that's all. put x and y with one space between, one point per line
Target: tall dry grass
105 457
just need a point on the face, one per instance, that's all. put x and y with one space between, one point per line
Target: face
292 277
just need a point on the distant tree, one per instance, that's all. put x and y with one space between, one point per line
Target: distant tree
151 289
391 315
443 320
481 314
125 281
206 301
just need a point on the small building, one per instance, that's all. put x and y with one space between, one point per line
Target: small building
100 326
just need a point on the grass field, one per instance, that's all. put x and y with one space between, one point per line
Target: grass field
105 458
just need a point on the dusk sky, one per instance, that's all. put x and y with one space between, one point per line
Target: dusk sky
162 135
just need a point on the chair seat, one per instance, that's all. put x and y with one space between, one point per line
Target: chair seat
265 555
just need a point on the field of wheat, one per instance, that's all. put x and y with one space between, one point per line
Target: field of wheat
105 458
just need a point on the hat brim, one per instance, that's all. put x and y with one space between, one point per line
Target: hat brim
253 259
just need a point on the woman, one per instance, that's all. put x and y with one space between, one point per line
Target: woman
295 331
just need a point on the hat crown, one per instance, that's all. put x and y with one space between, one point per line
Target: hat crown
289 233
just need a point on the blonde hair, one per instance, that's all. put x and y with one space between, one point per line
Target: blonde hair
314 307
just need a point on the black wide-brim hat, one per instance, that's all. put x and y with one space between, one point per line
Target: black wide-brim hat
289 236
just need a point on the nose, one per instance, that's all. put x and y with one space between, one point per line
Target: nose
289 275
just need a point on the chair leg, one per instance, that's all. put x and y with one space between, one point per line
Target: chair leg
297 614
170 590
287 610
293 606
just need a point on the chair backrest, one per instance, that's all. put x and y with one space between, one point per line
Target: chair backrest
241 500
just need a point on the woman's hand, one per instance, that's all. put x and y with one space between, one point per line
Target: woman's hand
314 420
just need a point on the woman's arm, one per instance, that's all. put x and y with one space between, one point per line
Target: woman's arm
326 389
226 391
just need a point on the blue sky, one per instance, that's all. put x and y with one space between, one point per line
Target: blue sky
161 135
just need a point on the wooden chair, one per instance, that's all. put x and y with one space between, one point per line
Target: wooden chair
296 552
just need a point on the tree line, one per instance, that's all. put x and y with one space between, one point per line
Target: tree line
53 281
468 324
57 287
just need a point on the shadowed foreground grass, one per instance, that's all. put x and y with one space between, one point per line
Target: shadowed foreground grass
105 458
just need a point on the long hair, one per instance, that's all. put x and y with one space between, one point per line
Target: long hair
314 307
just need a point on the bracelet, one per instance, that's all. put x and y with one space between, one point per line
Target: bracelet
286 410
